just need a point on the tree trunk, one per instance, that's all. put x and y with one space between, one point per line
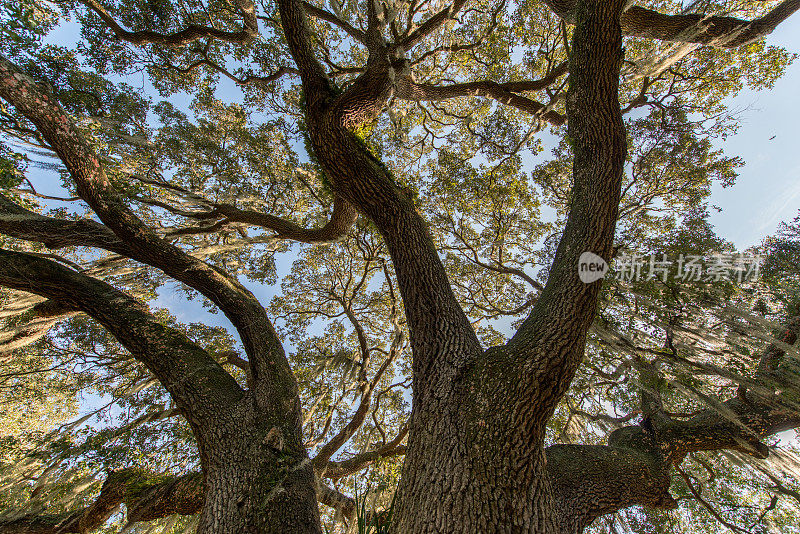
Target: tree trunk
258 479
476 460
239 497
461 476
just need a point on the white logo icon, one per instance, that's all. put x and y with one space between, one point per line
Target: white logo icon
591 267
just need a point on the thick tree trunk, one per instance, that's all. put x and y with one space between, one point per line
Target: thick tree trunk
241 497
476 460
258 479
465 473
257 474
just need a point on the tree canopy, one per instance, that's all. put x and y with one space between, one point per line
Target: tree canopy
309 252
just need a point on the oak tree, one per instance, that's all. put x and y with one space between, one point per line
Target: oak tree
397 142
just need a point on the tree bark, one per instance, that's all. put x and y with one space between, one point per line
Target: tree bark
255 482
470 466
257 474
476 460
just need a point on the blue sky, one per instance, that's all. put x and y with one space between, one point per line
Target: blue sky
766 193
768 188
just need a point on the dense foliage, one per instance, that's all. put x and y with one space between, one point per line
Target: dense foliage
208 141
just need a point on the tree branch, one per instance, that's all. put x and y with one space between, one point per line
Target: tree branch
336 470
439 329
187 35
295 28
247 79
321 460
634 467
145 496
590 481
342 219
724 32
194 379
336 500
18 222
327 16
707 505
431 25
505 93
274 382
550 343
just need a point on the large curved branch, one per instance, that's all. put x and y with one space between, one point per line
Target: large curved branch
635 466
21 223
342 219
189 34
146 497
737 424
275 384
550 343
589 481
725 32
239 80
440 331
336 500
316 83
195 380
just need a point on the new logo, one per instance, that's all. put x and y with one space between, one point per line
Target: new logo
591 267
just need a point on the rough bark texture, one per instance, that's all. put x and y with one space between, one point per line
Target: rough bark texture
149 496
257 476
469 466
249 480
475 458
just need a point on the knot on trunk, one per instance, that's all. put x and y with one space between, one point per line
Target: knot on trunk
274 439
